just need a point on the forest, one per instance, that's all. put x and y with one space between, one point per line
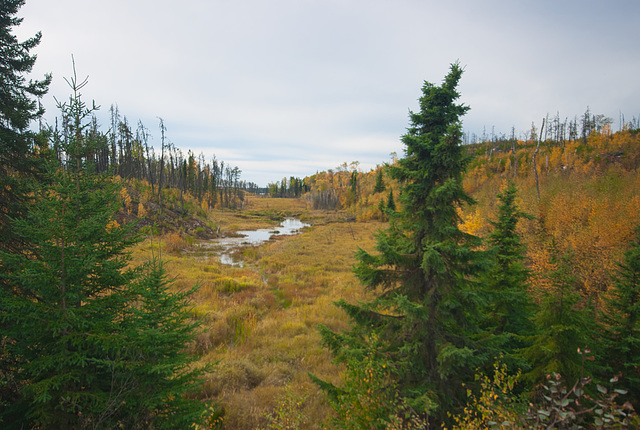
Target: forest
469 283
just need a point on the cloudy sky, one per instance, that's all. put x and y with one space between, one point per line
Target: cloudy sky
290 87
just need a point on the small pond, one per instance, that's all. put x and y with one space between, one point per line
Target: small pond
225 249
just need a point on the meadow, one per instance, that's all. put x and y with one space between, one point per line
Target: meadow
259 328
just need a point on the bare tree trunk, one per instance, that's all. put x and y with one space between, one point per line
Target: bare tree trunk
513 151
162 145
535 153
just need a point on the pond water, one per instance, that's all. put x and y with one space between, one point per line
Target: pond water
226 248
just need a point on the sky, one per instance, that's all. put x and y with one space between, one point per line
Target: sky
285 88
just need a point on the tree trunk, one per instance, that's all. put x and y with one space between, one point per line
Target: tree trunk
535 153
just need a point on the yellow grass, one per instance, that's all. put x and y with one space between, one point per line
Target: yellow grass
260 321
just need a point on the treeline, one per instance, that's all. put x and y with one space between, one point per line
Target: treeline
288 188
586 146
337 188
127 153
559 129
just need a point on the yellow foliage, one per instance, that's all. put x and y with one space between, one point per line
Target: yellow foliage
142 212
113 224
126 199
472 223
495 407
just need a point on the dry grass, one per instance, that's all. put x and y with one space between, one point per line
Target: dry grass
260 321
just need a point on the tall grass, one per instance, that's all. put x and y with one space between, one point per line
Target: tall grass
260 321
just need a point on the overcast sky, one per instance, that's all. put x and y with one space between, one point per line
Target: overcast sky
289 87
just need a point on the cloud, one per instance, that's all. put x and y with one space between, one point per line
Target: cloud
311 84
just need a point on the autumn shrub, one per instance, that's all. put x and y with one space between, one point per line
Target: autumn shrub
495 406
174 242
369 397
568 408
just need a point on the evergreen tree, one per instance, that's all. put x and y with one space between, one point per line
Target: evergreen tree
508 316
382 209
380 186
391 203
18 109
621 324
155 363
95 344
21 156
425 308
563 326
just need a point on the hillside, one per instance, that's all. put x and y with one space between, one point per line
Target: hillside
260 320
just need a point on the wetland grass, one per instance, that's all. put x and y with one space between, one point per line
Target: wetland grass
260 320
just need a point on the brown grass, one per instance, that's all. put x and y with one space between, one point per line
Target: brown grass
260 321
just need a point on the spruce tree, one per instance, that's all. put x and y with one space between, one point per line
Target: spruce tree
425 307
158 330
508 314
19 108
95 343
391 203
564 325
621 324
21 155
379 186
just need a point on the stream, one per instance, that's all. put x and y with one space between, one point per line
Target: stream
225 249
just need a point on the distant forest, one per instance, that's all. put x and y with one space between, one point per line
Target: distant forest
326 193
126 152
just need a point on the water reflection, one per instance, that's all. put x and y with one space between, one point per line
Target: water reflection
226 248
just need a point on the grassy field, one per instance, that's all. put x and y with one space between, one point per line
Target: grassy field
260 320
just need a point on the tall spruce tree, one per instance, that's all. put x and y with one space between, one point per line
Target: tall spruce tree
21 155
425 308
508 314
621 324
18 109
95 343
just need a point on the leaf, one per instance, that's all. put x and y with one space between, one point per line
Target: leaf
602 389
